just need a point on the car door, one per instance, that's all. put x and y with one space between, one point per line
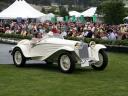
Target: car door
44 49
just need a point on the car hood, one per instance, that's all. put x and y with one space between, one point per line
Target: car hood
59 41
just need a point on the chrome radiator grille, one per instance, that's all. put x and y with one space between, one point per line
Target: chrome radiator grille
83 52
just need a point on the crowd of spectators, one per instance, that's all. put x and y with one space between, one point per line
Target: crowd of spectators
68 29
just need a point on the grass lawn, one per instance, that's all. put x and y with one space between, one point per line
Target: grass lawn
40 80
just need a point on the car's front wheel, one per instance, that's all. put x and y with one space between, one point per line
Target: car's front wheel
18 57
66 63
103 61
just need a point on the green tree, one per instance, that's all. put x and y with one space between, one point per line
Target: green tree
127 11
63 11
52 10
43 10
3 6
113 11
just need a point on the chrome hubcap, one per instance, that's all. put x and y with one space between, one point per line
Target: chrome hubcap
65 62
18 57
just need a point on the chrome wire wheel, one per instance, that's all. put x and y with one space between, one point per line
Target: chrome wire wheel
65 62
18 57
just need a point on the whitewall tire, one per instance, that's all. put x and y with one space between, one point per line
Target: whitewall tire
18 57
66 63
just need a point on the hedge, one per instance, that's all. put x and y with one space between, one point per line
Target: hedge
87 40
106 42
14 36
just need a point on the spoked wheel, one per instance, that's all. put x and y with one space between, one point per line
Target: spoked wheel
66 63
18 58
103 61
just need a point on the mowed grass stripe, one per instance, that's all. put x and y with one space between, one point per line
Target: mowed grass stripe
42 80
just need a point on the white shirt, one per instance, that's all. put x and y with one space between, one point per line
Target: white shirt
112 36
64 34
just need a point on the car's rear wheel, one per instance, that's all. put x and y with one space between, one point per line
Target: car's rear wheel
66 63
18 57
103 61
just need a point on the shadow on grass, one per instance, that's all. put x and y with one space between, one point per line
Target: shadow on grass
41 66
79 70
54 68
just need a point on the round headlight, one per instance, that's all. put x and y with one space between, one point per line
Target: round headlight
92 44
77 45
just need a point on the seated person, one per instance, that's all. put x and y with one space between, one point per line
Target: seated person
37 38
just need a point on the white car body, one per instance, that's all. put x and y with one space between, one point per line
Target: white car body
51 47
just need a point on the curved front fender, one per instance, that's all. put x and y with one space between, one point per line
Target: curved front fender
66 48
100 46
94 51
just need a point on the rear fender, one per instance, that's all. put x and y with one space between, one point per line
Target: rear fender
94 51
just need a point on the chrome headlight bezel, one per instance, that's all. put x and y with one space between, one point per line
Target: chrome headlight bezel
78 45
92 44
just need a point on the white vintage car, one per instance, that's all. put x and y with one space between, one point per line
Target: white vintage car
67 53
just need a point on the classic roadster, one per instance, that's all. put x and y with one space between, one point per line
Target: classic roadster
67 53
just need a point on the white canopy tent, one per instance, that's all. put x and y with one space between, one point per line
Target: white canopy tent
74 13
90 12
20 9
126 17
46 17
49 16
